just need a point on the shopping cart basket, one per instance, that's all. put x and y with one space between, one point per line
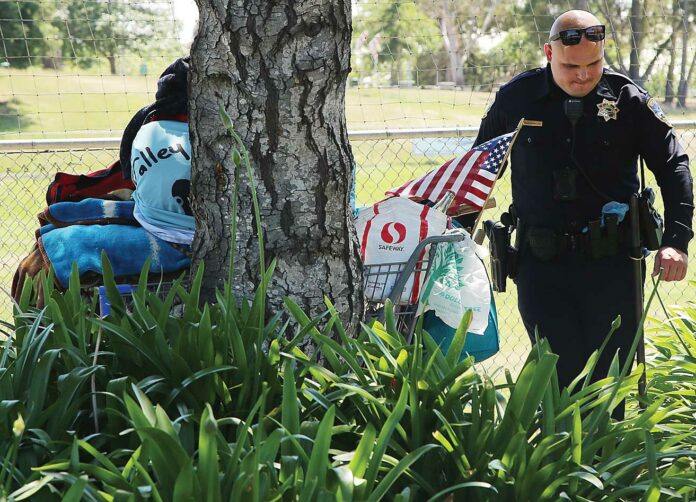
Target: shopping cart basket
378 278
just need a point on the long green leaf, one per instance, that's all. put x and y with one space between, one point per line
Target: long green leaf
455 349
290 415
208 465
319 460
393 475
385 437
358 464
443 494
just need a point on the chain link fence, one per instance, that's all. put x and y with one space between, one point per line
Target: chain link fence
384 159
26 169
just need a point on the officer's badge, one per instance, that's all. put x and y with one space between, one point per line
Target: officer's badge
608 110
657 111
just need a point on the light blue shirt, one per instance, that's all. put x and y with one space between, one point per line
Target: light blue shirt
161 171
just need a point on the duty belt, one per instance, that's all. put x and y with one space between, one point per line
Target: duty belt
546 244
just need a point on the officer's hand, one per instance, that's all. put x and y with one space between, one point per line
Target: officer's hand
673 263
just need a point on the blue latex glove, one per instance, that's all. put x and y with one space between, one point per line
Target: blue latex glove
618 208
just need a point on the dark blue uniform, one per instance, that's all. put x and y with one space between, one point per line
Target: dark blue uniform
571 297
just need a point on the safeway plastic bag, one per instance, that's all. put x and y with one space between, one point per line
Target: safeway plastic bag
457 281
389 232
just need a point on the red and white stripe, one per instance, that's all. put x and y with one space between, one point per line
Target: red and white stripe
462 175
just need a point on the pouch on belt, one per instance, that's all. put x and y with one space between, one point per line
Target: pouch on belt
544 243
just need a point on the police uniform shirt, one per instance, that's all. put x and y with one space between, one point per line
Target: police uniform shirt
620 122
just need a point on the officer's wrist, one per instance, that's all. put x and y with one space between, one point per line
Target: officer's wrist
676 244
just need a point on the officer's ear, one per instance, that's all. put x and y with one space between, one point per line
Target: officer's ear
547 52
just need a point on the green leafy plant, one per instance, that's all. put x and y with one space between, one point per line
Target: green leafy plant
218 402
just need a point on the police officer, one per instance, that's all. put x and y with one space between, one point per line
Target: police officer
582 155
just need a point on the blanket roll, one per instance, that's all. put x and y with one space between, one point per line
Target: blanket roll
126 246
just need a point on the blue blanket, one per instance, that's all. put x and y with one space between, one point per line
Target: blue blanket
89 211
126 245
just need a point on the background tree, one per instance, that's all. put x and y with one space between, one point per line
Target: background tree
406 32
52 54
111 29
630 31
631 26
687 9
460 29
280 70
22 40
670 90
647 41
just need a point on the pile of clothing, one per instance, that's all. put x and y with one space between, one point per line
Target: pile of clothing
136 208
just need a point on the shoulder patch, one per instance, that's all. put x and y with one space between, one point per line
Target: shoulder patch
657 111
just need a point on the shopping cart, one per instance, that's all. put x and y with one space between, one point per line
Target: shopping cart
388 280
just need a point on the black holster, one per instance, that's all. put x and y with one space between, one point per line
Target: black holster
604 240
503 255
651 224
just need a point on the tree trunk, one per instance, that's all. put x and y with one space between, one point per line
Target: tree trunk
52 62
279 69
690 74
452 44
637 23
669 83
395 70
582 5
112 63
683 88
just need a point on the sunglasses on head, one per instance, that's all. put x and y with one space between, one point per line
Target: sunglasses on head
572 37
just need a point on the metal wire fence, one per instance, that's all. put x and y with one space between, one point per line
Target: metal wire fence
81 68
384 159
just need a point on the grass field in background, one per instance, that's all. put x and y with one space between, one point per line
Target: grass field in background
37 102
41 103
45 103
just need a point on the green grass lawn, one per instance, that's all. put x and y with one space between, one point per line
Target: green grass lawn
36 103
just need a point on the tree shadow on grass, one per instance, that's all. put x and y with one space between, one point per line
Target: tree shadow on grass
11 118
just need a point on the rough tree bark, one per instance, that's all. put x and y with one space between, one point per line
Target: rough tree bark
279 69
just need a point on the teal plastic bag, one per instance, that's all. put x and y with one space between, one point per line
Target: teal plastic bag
480 346
458 281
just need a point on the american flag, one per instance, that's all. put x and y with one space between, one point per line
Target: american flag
470 176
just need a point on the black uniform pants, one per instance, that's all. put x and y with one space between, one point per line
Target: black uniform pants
572 300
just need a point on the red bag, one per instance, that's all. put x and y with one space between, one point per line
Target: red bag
76 187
